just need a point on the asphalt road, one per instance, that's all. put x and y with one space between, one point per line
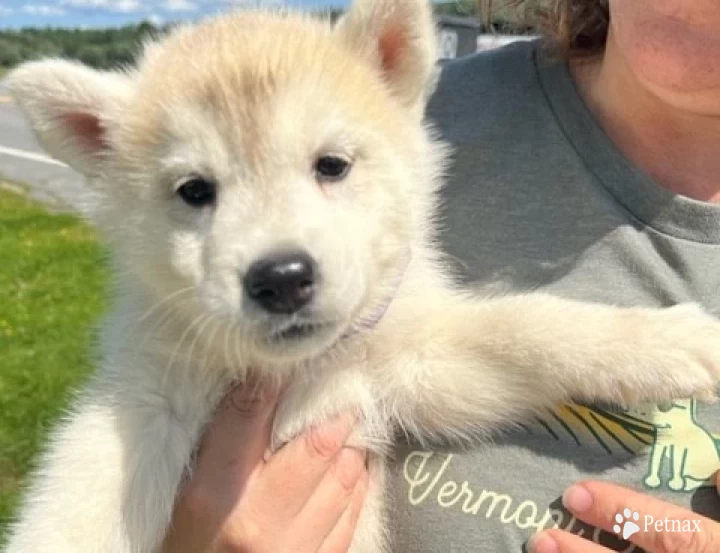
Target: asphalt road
23 160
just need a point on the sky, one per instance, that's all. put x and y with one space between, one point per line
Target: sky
105 13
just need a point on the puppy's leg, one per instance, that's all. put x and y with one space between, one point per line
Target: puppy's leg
107 483
455 366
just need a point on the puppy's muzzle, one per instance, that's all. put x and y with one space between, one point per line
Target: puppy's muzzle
282 282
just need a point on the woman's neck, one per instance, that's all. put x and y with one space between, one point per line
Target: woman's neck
676 143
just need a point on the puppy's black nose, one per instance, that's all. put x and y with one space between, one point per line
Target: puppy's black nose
282 282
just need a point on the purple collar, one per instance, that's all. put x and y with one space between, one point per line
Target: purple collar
369 321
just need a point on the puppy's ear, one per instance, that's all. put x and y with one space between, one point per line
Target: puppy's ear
69 107
399 38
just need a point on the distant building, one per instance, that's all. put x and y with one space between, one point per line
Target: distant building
457 36
461 36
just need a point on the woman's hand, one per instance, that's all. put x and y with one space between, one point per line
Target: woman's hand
598 503
306 498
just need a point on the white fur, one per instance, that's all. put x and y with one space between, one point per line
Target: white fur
248 100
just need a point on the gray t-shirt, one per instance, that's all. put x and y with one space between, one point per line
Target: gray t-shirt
540 198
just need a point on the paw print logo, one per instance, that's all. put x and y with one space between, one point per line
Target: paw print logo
626 523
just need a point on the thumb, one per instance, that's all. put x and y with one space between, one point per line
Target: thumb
240 432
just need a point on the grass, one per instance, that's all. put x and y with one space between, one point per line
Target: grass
52 280
4 71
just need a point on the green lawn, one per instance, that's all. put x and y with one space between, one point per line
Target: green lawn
52 279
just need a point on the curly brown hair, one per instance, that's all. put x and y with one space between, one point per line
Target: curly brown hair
577 28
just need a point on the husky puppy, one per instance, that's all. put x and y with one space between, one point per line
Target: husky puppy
267 186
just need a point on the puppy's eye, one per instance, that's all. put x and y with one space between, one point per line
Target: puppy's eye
197 192
331 168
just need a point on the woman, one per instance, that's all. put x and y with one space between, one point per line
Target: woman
593 178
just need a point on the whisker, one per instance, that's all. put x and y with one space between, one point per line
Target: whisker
171 361
201 329
167 298
210 344
226 345
238 354
168 311
132 323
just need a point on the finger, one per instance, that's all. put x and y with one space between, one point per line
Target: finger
557 541
661 527
717 481
340 537
238 435
333 495
307 459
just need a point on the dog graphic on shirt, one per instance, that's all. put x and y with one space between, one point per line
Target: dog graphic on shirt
680 444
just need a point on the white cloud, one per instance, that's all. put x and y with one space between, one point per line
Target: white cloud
156 20
127 6
6 11
121 6
180 6
255 3
43 9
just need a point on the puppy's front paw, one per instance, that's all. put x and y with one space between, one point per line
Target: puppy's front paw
686 356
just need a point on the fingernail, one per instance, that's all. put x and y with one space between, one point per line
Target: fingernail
350 457
350 463
340 425
542 543
577 499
